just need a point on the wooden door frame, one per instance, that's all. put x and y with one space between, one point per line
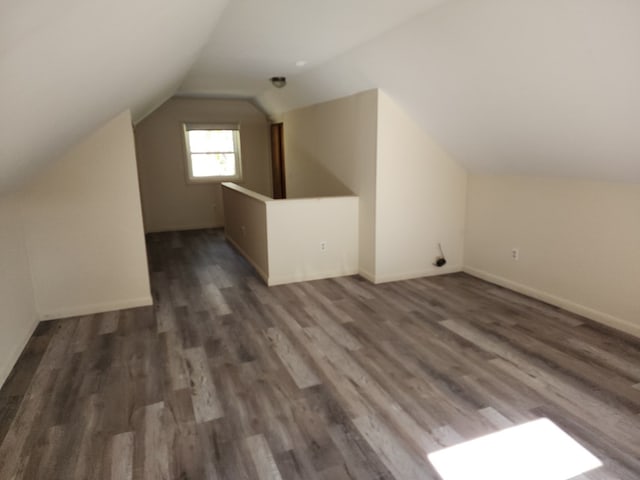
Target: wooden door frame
277 161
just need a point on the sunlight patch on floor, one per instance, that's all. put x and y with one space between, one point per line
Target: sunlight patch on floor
532 451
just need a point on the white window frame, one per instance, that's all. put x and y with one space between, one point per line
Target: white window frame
235 127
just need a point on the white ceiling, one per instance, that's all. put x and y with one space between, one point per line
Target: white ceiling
544 87
257 39
67 66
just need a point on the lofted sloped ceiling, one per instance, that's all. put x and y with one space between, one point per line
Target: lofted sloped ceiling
67 66
547 87
258 39
544 87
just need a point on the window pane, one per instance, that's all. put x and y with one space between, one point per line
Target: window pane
206 141
213 165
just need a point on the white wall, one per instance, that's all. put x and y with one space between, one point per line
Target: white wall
168 201
420 199
83 227
298 227
579 242
246 226
330 149
18 313
282 238
412 194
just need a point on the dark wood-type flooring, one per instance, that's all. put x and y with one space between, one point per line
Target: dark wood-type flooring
225 378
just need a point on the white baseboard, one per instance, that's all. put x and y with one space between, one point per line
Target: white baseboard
180 228
590 313
299 277
264 275
429 272
12 359
284 279
97 308
367 275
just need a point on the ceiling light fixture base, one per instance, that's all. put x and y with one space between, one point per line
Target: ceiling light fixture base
279 82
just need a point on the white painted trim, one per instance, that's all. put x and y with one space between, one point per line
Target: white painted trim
431 272
367 275
307 278
97 308
260 271
590 313
235 128
258 197
19 347
273 281
181 228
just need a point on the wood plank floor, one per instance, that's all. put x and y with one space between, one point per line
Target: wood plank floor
225 378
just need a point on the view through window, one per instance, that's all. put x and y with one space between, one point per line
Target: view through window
213 152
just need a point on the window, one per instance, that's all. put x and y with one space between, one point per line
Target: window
213 152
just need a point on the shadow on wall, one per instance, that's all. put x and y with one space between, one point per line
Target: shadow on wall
308 178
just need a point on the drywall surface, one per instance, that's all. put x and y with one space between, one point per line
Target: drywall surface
18 314
330 150
275 33
521 87
69 66
293 240
312 238
420 199
83 227
578 243
168 201
246 226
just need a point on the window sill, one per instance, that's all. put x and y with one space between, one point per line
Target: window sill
196 181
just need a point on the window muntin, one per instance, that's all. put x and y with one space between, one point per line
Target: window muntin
213 152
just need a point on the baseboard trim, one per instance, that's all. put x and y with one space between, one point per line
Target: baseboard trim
11 361
273 281
97 308
258 269
367 275
587 312
431 272
181 228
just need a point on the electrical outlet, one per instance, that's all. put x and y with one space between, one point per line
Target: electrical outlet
323 246
243 229
515 254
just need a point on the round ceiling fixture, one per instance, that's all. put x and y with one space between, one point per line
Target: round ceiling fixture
279 82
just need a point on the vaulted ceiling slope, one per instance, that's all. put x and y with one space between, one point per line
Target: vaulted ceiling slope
547 87
543 87
67 66
258 39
